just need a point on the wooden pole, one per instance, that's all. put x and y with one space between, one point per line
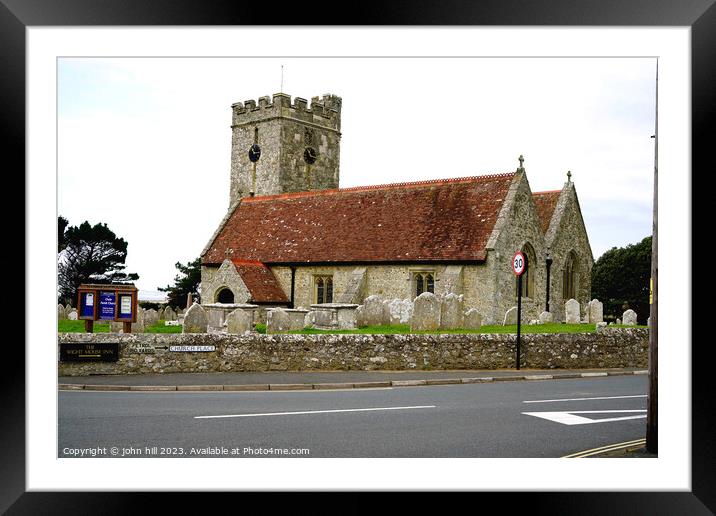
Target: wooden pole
89 326
652 442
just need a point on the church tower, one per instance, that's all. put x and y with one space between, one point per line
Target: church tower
278 146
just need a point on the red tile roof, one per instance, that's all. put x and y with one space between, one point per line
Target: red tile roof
440 220
260 281
545 203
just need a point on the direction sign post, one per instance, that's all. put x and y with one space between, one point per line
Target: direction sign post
518 267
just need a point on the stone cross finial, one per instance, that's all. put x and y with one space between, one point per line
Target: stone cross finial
569 176
522 159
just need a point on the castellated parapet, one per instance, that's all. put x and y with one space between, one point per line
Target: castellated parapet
299 142
324 111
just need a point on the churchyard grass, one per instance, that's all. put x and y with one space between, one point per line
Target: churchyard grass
404 328
161 328
68 326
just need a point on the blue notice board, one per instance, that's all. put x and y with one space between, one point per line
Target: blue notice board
106 305
87 304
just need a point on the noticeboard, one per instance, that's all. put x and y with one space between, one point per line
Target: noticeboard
107 303
88 305
124 310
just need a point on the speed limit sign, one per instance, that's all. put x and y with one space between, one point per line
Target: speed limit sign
518 263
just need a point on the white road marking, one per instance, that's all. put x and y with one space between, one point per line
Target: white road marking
584 399
569 418
317 412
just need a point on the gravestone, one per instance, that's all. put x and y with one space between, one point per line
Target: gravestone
277 320
571 312
619 321
151 317
376 311
595 311
169 314
510 317
400 311
61 313
473 319
68 308
452 312
629 318
195 320
160 313
323 318
72 315
426 313
360 316
545 318
239 321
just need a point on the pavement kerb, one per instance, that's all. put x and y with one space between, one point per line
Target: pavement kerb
341 385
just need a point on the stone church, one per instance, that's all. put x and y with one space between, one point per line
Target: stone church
292 237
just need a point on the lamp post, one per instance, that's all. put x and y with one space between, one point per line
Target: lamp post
549 266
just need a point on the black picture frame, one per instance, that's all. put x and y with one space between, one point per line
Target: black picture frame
17 15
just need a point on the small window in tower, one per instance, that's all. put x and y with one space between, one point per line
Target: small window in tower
256 135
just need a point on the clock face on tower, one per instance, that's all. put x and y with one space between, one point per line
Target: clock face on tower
310 155
254 153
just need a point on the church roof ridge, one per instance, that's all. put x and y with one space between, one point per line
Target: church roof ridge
240 261
385 186
545 192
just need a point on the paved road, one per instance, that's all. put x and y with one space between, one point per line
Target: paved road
475 420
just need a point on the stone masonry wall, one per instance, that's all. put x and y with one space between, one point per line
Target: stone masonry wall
214 279
619 348
567 233
518 228
387 281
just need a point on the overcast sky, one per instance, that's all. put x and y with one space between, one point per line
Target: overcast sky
144 144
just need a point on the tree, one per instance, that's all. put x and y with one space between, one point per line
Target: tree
62 224
90 254
185 283
620 279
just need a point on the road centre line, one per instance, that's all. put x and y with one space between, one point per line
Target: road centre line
316 412
585 399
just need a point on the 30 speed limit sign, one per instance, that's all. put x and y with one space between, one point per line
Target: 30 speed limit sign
518 263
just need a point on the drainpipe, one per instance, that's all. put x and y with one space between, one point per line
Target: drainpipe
549 266
293 284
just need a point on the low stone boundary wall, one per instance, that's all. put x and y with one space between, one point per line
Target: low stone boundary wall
150 352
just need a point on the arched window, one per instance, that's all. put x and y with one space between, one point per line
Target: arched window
528 276
569 276
424 282
224 295
323 289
